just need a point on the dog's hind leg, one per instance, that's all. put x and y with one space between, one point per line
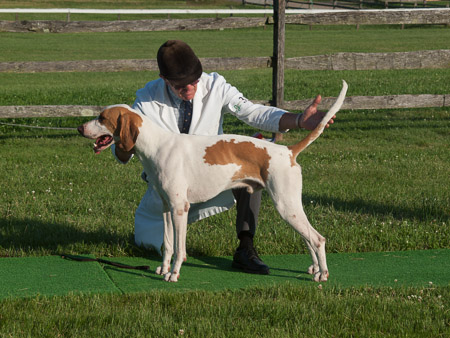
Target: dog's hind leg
288 202
314 268
314 241
168 245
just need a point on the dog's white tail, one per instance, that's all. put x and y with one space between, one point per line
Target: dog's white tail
299 147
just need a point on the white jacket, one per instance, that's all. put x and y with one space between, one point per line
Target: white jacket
214 98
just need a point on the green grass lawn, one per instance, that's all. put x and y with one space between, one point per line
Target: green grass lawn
261 312
112 88
300 41
376 181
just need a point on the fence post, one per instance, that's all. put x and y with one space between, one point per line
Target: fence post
279 9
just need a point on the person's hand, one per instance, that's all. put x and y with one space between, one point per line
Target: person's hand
311 117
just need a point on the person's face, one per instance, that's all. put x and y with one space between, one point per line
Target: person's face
184 92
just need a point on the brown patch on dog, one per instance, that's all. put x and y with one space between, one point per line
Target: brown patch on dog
123 123
293 159
109 118
254 161
300 146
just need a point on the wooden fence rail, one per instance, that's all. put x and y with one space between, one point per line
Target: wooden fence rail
352 4
45 26
374 17
339 61
353 102
302 17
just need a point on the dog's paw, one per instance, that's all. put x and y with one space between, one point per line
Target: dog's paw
171 277
313 269
321 276
162 270
174 277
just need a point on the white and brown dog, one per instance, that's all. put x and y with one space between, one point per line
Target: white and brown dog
211 165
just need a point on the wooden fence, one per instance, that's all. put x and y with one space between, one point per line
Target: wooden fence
352 102
374 17
339 61
301 17
352 4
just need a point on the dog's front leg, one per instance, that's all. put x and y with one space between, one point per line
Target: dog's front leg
179 219
168 245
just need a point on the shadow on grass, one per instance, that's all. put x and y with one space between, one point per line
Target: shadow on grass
132 273
427 211
224 264
25 236
31 235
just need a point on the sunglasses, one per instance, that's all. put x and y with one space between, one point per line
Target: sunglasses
182 87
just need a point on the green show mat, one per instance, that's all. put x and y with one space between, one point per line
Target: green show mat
407 268
51 276
55 276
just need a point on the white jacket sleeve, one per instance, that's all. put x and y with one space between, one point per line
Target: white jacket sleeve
257 115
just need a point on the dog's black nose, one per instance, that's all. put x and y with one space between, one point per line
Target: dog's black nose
81 129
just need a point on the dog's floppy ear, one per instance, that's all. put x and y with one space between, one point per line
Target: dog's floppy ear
128 126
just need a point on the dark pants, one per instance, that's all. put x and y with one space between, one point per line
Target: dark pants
247 210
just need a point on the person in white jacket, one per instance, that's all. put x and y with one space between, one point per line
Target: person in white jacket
185 99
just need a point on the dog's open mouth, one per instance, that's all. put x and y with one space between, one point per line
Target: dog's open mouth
102 143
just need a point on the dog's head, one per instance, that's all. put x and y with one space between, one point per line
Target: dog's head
115 124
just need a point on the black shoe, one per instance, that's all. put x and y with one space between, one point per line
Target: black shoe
248 260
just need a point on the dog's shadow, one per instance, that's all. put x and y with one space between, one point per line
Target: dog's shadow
225 264
210 263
